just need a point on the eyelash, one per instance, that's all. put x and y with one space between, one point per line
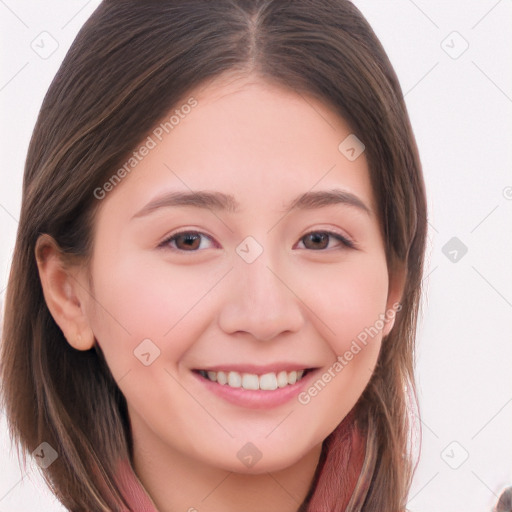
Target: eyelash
347 243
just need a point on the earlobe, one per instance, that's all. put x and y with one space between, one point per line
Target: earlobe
63 294
397 279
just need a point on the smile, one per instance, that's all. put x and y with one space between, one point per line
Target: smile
251 381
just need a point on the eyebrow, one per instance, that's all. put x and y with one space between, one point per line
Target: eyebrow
226 202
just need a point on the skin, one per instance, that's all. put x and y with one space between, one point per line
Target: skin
264 145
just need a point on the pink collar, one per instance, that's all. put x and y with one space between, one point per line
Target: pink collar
133 489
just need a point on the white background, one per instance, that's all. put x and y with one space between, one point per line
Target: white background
461 113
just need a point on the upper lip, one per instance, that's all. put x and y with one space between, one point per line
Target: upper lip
258 369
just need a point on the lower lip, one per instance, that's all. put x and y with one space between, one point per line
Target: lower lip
257 399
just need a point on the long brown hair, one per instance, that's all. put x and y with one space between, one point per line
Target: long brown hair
131 63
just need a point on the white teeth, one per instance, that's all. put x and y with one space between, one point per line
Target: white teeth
267 382
282 379
250 381
234 380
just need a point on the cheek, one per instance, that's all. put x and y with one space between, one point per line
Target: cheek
138 300
349 302
350 308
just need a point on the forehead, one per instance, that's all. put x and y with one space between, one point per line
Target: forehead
257 141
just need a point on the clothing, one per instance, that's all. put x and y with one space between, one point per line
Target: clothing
133 489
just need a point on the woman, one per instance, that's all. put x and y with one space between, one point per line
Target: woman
260 368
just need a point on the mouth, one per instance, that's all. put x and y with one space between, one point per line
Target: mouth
256 386
268 381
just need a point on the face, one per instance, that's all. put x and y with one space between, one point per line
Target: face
247 284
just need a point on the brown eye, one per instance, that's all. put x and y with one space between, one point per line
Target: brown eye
189 240
319 240
186 241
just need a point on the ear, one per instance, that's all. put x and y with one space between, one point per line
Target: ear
397 278
63 293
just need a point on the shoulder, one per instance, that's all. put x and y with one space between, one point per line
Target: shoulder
504 503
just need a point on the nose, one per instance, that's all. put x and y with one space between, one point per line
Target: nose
260 300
